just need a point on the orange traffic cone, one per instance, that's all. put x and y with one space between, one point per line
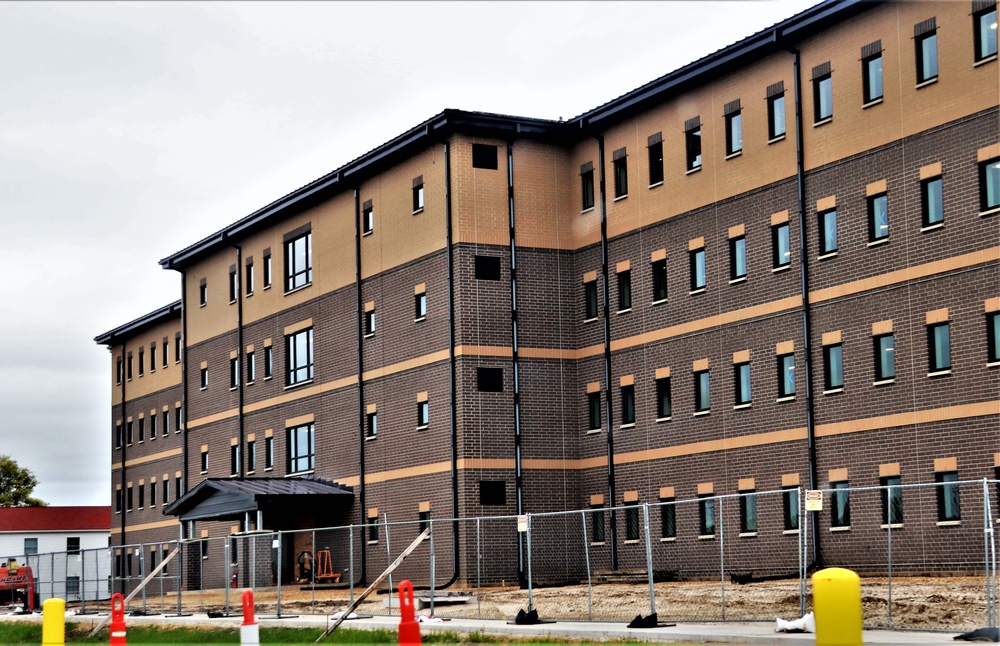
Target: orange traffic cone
249 631
117 620
409 629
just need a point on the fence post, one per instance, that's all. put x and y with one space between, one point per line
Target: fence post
987 542
228 562
278 575
312 602
649 559
350 563
804 530
479 578
430 524
528 538
142 573
388 553
83 581
52 573
253 563
722 554
888 522
586 560
802 551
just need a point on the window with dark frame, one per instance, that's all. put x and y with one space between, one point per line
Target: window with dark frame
152 357
984 27
118 435
871 71
597 524
373 529
165 421
152 426
692 143
119 370
179 422
165 491
790 508
822 82
624 290
840 504
992 337
418 194
367 218
178 488
369 322
249 276
827 232
741 384
668 518
129 432
932 201
268 452
152 494
118 501
833 366
590 300
177 348
989 184
371 424
268 362
142 496
702 391
776 110
424 518
301 442
299 357
734 127
267 268
655 154
925 41
129 367
489 380
166 352
142 361
706 515
786 375
632 522
234 284
234 459
892 500
420 306
492 493
487 267
664 404
748 512
939 346
878 217
948 497
423 414
587 186
698 275
781 245
485 156
594 411
204 461
142 430
620 169
628 404
659 280
251 367
251 456
203 293
298 261
737 258
204 378
885 356
234 372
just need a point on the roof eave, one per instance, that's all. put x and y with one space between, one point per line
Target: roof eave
109 338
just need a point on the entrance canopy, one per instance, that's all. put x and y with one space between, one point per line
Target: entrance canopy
231 498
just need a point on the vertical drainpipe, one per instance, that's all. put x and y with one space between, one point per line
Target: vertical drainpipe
452 381
124 439
359 311
607 358
804 275
239 355
184 383
518 473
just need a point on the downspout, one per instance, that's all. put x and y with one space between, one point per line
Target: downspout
518 472
452 380
607 358
184 382
361 383
241 372
804 276
124 440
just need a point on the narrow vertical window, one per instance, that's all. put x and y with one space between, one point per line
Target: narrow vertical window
827 232
984 25
423 414
989 184
118 435
632 522
234 459
251 367
939 346
993 337
871 71
249 277
298 261
620 168
420 306
234 284
878 217
367 218
697 260
932 201
624 291
734 128
706 515
702 391
786 375
840 504
370 322
748 512
664 405
628 405
204 378
373 528
949 505
268 362
129 500
251 456
659 280
781 246
925 40
129 432
204 460
655 153
203 293
668 518
177 348
425 520
179 421
152 357
892 500
152 426
142 362
587 186
597 524
741 384
885 357
790 504
692 144
590 300
268 452
418 194
737 258
371 424
234 372
119 369
822 82
267 268
776 110
594 411
166 352
142 430
833 366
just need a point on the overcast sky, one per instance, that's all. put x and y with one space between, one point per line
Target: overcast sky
129 130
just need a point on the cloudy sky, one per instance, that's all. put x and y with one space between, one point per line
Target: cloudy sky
129 130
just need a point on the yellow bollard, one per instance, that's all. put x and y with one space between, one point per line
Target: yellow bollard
54 622
837 606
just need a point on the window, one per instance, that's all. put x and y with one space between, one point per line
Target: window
142 429
267 270
178 487
597 524
664 407
204 460
234 372
179 414
706 515
632 522
130 366
659 280
177 348
984 26
590 300
367 218
203 293
620 165
128 498
204 549
165 491
786 375
129 432
301 448
72 586
833 366
165 421
878 217
299 350
369 322
790 503
484 156
932 201
251 456
118 435
949 507
734 128
418 194
892 500
668 519
371 424
425 520
776 114
781 246
298 262
871 71
152 494
373 529
628 405
840 504
993 337
822 93
692 143
489 380
989 183
827 232
624 291
939 346
737 258
925 39
166 351
142 495
487 268
73 544
30 546
234 460
587 186
655 153
204 378
594 411
492 493
163 557
423 414
152 426
702 394
741 383
420 306
697 260
268 362
885 363
142 362
251 367
119 370
118 501
152 357
249 277
748 512
268 452
234 285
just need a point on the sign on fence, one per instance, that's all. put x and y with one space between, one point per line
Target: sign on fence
522 523
814 500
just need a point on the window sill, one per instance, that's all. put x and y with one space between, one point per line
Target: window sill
932 227
733 155
233 388
369 438
367 233
700 290
884 382
880 241
691 171
598 543
369 335
420 210
300 473
822 122
988 59
663 419
250 383
748 534
892 526
833 391
419 319
251 472
629 425
787 398
668 539
948 523
845 528
993 364
249 294
832 254
594 431
924 84
299 288
775 139
624 311
202 304
781 268
632 541
741 279
422 428
590 320
203 388
296 385
656 184
872 103
268 468
702 413
939 373
659 302
372 543
201 472
266 287
707 537
992 211
232 301
586 210
742 406
790 532
620 197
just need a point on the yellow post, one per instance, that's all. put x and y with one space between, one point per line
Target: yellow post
54 622
837 606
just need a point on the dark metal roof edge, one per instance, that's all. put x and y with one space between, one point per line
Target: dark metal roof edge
173 310
204 484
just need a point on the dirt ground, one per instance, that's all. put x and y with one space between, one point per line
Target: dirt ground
921 603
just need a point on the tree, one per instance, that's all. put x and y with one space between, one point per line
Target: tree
17 485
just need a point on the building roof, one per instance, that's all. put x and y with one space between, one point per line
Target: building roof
222 498
55 519
144 322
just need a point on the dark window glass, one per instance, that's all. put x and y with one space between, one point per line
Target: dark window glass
939 346
371 425
632 523
420 306
872 70
932 201
268 452
668 520
142 362
130 366
418 197
251 456
664 407
487 267
621 177
692 144
425 520
737 258
177 349
628 404
748 512
594 411
892 500
597 525
249 278
698 279
786 375
587 190
367 220
119 370
267 271
706 516
129 428
489 380
823 98
985 28
590 300
734 133
790 503
781 246
234 372
484 156
885 357
741 380
118 500
234 459
299 353
927 65
656 163
179 414
989 184
298 262
624 290
369 322
166 491
166 352
949 507
993 337
128 499
204 461
152 494
492 493
203 294
152 426
776 116
118 435
702 393
234 286
73 544
301 448
659 280
827 232
878 217
833 366
840 504
423 414
373 529
142 429
268 361
142 496
251 367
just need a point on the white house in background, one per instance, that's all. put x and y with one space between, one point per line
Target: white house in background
66 547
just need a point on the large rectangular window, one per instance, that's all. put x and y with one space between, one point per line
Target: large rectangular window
871 71
878 217
822 93
748 512
624 290
706 515
298 261
737 258
989 183
925 39
781 246
697 262
301 448
594 411
840 504
30 546
664 406
628 404
655 151
984 25
892 500
885 357
993 337
734 128
590 300
659 280
488 268
741 383
833 366
692 144
786 375
620 168
949 507
702 392
587 186
827 232
299 351
939 346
